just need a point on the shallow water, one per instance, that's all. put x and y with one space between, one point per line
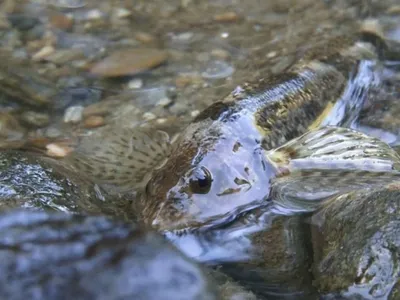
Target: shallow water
210 47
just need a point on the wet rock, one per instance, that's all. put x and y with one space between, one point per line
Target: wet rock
356 244
61 21
230 16
135 83
58 256
61 57
101 108
43 53
57 150
122 12
73 114
128 62
94 121
11 131
144 37
90 45
37 183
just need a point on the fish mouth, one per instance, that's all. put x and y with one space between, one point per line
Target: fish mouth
211 224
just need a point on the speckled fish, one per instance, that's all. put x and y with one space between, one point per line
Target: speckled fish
222 164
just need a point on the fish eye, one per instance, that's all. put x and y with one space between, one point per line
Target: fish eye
200 181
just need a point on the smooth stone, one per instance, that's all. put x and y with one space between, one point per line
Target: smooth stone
50 256
128 62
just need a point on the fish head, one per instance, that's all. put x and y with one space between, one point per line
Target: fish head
206 183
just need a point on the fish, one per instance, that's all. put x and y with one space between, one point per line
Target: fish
234 155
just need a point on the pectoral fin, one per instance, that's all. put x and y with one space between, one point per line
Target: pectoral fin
330 161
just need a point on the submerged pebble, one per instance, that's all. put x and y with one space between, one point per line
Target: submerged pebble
73 114
217 70
128 62
94 121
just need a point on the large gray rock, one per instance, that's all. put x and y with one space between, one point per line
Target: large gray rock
33 182
356 244
47 256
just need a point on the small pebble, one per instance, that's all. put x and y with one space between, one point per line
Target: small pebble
135 83
220 53
226 17
195 113
128 61
217 69
52 133
94 121
148 116
94 14
161 121
61 21
73 114
101 108
184 36
144 37
225 35
164 102
122 12
43 53
271 54
184 80
64 56
55 150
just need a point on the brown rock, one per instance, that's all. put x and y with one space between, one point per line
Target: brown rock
128 62
144 37
61 21
100 109
230 16
94 121
58 150
184 80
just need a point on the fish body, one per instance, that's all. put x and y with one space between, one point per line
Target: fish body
219 165
236 154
